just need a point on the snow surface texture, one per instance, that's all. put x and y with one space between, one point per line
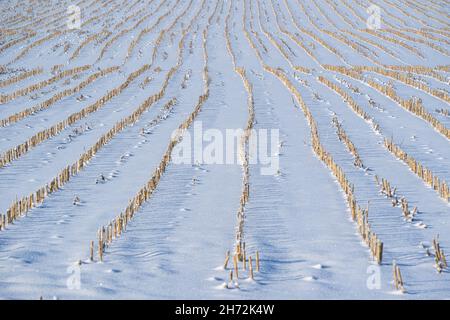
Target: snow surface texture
298 219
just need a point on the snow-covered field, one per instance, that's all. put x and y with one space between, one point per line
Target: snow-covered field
349 197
